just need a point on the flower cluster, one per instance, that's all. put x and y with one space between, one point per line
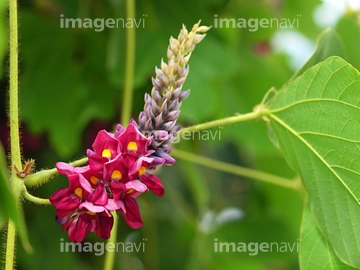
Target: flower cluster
116 173
118 165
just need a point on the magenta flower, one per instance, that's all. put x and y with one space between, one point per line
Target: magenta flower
116 174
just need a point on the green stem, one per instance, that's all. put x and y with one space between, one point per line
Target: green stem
110 256
257 114
237 170
126 107
41 177
34 199
16 183
10 246
129 65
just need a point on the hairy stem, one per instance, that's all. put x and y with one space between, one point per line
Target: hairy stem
237 170
34 199
15 152
41 177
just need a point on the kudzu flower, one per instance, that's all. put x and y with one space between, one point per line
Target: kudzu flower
117 173
161 109
119 163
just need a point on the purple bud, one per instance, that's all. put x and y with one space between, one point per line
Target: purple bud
156 84
176 129
168 125
184 94
176 93
174 105
172 116
180 82
156 95
158 121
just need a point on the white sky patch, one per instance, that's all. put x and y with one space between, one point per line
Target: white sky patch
295 45
328 13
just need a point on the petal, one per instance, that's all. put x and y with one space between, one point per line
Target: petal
117 164
63 215
79 228
153 183
86 186
99 196
105 140
59 195
91 207
136 185
117 189
68 204
64 168
132 136
144 162
104 227
132 215
115 205
96 162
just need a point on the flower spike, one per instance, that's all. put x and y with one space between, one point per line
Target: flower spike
161 109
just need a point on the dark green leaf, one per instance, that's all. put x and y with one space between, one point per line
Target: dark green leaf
316 122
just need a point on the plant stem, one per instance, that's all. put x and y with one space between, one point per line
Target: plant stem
41 177
110 256
129 65
13 104
126 108
10 246
16 183
34 199
257 114
237 170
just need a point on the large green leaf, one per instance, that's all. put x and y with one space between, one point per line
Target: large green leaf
9 207
315 121
315 251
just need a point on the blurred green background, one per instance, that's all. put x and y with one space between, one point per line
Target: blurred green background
71 87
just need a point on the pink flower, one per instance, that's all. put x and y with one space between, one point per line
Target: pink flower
116 174
79 216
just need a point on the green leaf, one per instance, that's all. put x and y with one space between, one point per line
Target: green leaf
329 43
9 207
315 251
68 79
315 120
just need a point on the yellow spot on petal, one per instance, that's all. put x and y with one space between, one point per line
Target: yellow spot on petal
94 180
142 170
132 146
116 175
78 191
106 153
90 213
131 190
